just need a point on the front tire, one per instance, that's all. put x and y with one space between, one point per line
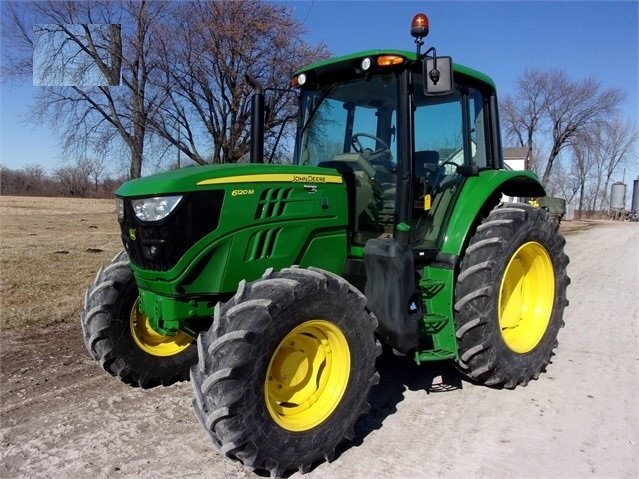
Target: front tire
510 296
120 338
285 370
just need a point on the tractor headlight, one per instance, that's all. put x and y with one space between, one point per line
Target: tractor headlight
155 209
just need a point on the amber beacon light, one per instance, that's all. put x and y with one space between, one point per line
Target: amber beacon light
419 26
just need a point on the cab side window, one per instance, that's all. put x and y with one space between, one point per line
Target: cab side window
479 135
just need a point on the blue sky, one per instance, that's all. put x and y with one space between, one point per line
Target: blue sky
500 38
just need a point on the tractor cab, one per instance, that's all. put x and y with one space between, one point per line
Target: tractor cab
404 151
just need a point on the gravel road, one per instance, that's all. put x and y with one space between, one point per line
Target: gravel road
63 416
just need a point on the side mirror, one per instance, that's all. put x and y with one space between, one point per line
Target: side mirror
438 76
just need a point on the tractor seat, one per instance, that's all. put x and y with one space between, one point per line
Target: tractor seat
426 163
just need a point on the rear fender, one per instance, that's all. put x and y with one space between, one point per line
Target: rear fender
481 194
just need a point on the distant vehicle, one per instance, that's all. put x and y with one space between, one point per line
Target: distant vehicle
555 206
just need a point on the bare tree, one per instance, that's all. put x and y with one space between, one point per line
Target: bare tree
551 102
598 154
612 145
28 181
34 178
183 68
621 139
207 54
77 180
12 182
77 54
94 117
577 106
74 180
522 114
581 167
95 169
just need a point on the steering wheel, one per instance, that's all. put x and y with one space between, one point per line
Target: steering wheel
373 157
448 162
441 170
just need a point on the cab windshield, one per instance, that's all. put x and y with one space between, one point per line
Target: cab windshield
352 117
351 126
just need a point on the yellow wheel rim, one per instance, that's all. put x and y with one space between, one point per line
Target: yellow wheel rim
526 297
307 376
152 342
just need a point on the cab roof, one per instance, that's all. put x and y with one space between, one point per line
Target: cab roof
336 64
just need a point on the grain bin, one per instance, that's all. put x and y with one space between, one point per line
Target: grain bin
618 196
635 196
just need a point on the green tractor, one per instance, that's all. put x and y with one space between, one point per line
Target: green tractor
273 286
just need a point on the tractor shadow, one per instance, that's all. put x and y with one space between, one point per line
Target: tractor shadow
397 375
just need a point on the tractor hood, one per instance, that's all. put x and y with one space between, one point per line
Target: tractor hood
204 177
251 216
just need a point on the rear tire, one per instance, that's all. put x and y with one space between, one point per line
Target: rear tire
285 370
118 336
510 296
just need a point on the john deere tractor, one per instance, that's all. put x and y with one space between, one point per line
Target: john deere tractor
274 286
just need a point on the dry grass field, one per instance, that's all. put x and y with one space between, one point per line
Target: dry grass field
50 250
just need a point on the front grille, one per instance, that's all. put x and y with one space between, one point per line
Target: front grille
158 246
